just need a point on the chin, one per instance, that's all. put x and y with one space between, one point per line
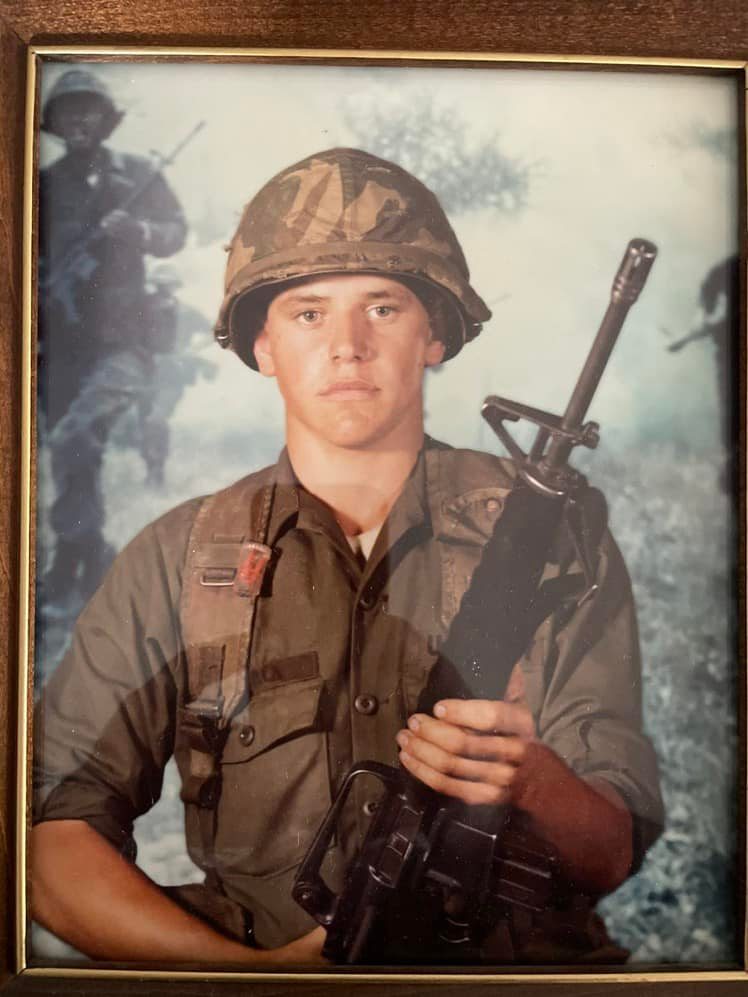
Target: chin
353 440
349 428
355 435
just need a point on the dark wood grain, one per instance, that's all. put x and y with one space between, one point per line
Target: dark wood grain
27 985
684 28
669 28
12 61
43 987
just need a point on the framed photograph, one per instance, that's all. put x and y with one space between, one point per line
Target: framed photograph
405 257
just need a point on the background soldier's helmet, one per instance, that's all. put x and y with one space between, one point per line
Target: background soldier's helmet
81 81
345 211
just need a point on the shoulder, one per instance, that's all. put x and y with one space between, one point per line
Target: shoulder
461 470
155 558
171 531
471 486
54 172
128 164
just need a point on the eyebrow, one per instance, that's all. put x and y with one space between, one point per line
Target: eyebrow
299 298
303 299
384 295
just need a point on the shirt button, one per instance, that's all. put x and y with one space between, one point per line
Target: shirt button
368 599
246 736
370 807
366 704
492 504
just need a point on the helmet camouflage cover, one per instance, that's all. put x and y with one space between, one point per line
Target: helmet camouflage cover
344 211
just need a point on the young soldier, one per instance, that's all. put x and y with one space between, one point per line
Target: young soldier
344 282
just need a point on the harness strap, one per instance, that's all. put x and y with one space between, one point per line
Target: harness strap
223 577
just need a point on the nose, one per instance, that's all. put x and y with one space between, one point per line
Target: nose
349 339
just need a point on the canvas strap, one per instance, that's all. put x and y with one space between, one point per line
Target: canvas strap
226 561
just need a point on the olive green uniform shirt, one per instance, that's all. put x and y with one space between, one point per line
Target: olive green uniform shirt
340 653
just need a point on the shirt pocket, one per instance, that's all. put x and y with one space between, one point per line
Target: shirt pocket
275 780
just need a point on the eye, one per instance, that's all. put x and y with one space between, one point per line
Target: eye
309 316
382 311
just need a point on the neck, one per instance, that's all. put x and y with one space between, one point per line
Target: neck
84 158
359 485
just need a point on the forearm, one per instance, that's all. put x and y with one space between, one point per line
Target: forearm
459 753
587 823
85 892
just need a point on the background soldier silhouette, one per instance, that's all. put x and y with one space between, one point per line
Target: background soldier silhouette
100 213
717 319
181 332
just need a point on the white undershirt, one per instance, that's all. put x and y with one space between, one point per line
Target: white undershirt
363 543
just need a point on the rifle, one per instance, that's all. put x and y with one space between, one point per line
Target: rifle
421 846
703 332
77 263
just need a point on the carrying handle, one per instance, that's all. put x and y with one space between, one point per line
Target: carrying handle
310 891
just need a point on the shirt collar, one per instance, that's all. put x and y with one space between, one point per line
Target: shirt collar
292 500
434 498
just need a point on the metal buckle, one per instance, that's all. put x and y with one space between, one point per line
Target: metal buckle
217 577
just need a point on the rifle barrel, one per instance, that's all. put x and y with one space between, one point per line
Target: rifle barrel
634 269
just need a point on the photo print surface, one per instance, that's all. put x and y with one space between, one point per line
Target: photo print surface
544 175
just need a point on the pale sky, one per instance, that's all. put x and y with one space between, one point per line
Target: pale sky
615 155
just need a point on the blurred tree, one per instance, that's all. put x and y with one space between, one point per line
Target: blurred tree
718 141
434 143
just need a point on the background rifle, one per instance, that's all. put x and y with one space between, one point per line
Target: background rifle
704 332
421 844
77 264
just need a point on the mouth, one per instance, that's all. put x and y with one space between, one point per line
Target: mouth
78 138
353 389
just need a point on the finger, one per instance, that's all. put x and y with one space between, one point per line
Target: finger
460 741
469 792
316 937
456 766
490 716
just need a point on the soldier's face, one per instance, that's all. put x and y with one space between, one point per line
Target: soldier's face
349 352
78 120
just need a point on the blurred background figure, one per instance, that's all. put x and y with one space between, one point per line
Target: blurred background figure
183 333
718 319
100 213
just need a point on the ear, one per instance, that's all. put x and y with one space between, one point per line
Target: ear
263 354
434 353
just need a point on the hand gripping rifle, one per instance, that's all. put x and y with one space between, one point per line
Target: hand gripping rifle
78 263
434 857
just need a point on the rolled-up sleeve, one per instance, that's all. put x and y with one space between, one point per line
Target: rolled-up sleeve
104 725
591 713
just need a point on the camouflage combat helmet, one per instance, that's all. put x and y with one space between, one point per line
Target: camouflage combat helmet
77 81
344 211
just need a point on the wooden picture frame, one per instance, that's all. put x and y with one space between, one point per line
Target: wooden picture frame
707 37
